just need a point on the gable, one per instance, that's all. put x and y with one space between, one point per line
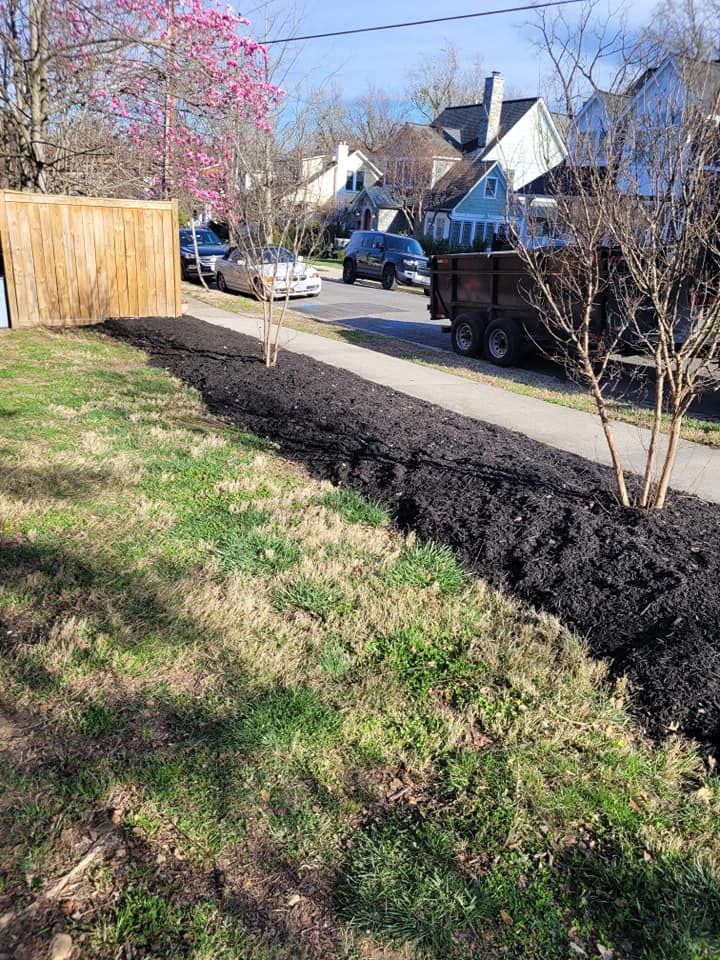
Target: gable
476 201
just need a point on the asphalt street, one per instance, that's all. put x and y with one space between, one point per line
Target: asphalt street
364 305
402 313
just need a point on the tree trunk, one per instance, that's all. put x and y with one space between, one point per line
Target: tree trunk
654 433
669 462
35 174
612 446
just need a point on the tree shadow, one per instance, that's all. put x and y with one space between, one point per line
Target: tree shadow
193 758
53 481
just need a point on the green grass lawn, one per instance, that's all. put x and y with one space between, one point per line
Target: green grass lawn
516 379
242 717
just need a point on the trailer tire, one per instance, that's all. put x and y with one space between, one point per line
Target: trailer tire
466 336
503 342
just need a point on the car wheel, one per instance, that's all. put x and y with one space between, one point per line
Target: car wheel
503 342
388 276
466 337
184 271
349 275
220 283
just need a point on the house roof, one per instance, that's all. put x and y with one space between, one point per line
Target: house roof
548 184
457 182
467 125
421 141
330 161
379 197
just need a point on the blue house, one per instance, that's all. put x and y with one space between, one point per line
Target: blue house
470 206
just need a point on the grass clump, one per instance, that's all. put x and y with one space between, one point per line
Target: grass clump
313 596
274 713
354 508
427 565
256 552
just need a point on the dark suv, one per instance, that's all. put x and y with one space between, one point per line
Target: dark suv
386 257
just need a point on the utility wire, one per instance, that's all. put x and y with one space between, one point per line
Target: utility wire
420 23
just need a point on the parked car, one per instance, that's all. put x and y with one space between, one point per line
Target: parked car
210 248
271 271
387 257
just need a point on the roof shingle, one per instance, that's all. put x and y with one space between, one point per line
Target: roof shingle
467 125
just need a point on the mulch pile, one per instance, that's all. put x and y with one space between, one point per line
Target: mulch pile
644 590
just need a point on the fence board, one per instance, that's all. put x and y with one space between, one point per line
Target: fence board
72 260
55 286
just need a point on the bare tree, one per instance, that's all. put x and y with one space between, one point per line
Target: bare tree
586 50
269 203
413 162
274 224
638 214
368 122
441 81
47 68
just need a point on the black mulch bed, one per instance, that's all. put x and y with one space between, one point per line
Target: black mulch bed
643 589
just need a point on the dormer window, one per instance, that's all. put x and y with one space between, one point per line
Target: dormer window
491 187
355 181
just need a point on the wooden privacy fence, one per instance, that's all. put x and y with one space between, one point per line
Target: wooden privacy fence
73 260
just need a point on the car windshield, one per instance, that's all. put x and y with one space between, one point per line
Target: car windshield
277 255
406 245
203 236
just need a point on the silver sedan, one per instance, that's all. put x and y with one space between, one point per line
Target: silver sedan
272 272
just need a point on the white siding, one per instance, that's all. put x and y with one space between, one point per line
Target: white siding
529 149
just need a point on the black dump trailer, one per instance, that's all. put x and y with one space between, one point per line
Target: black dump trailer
486 299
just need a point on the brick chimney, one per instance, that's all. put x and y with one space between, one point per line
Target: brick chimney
492 101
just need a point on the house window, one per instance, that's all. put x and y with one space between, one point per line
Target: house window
455 232
465 234
491 187
355 181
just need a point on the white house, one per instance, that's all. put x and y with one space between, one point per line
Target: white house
520 134
650 108
335 181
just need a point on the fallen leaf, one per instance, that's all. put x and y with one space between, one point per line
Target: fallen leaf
294 900
506 918
604 952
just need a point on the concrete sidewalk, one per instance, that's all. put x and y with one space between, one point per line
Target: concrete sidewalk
697 469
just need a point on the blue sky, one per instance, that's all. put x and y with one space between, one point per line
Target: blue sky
384 59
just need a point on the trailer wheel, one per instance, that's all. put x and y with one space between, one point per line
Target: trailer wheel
503 342
466 337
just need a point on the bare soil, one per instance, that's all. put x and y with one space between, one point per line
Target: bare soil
543 524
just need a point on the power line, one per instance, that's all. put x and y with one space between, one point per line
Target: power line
420 23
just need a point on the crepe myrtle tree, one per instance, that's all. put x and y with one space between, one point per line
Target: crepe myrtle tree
638 222
275 219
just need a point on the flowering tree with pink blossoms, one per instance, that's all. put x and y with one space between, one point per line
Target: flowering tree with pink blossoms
159 78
